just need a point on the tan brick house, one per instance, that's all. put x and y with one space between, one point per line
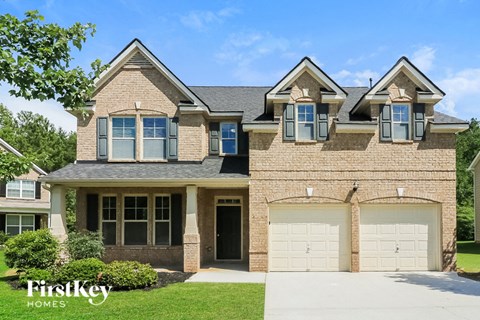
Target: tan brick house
475 169
24 201
304 176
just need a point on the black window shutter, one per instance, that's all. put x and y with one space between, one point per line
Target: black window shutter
2 223
242 140
289 122
92 212
37 221
3 189
418 121
322 121
214 128
38 190
102 138
176 223
385 123
172 147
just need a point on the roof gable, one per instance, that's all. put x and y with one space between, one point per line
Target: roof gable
11 149
307 65
136 53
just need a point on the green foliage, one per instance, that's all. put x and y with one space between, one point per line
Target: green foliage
35 58
82 245
3 238
85 270
36 275
465 223
71 214
12 166
31 249
127 275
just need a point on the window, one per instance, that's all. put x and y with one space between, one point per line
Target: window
154 138
228 135
21 189
162 220
18 223
401 121
305 122
136 215
123 138
109 220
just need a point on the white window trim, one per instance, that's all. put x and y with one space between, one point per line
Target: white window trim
215 224
409 138
21 190
124 221
143 138
297 138
20 221
101 220
110 138
169 220
236 138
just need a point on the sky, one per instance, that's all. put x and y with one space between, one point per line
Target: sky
257 42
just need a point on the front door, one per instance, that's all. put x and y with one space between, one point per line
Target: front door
229 232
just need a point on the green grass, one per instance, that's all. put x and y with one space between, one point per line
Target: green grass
177 301
468 256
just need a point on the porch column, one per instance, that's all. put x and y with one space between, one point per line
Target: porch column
58 222
191 237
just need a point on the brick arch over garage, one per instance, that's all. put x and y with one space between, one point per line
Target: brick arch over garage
306 200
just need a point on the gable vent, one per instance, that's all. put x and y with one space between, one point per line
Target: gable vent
138 60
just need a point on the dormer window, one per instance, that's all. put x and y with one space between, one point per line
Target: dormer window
401 121
154 138
306 121
123 138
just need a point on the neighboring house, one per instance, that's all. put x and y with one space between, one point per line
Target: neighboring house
24 202
475 168
302 176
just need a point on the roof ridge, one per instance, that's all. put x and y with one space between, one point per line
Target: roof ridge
223 86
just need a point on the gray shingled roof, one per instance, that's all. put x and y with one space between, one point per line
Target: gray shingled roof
439 117
354 94
210 168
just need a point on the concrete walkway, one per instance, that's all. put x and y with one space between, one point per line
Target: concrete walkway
234 274
416 295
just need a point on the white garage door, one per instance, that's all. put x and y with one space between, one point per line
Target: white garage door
399 238
309 238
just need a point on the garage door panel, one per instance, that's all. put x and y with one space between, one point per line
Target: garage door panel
280 246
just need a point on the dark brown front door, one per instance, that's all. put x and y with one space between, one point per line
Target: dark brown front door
229 232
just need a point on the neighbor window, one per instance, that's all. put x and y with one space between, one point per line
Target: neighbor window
154 138
162 220
305 122
228 131
401 121
109 220
136 220
123 138
18 223
21 189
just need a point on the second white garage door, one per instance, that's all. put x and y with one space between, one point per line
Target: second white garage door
306 238
399 238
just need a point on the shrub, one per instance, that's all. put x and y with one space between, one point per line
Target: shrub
129 275
84 269
465 223
36 274
3 238
31 249
84 245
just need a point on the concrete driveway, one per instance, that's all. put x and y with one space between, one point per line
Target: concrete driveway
391 296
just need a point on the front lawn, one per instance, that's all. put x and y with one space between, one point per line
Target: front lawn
177 301
468 256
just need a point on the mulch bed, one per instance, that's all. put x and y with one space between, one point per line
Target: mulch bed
166 278
469 275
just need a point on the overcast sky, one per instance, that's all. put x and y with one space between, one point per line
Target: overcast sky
258 42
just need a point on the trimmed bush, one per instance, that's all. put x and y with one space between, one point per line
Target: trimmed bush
84 270
84 245
36 275
127 275
465 223
31 249
3 238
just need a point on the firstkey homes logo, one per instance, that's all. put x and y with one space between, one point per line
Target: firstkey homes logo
95 295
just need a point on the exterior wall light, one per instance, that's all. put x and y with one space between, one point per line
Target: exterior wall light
356 185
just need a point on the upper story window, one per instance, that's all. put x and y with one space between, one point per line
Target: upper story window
305 121
123 138
154 138
228 138
401 121
21 189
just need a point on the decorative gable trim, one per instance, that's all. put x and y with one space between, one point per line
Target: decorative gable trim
4 144
280 93
129 55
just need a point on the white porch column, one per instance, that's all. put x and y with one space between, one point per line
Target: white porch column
58 222
191 237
